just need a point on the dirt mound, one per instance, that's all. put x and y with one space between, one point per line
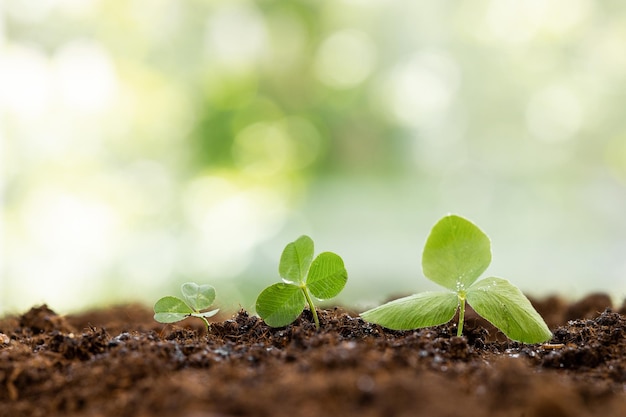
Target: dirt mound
119 362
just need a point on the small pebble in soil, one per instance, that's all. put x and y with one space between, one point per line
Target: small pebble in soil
365 383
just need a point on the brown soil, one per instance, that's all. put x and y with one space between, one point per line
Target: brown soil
119 362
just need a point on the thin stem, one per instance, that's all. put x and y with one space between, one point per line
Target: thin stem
311 306
206 322
459 331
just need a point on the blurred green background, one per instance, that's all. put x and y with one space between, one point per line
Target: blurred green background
146 143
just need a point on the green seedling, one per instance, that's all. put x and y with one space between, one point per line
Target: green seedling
323 277
456 253
195 299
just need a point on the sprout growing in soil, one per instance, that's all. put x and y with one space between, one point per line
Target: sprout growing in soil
324 277
456 253
196 298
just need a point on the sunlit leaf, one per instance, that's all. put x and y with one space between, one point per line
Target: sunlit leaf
324 277
296 259
280 304
327 276
456 253
171 309
506 307
198 297
415 311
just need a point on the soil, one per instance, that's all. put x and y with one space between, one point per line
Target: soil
119 362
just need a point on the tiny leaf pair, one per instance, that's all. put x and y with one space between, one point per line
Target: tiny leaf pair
196 298
324 277
456 253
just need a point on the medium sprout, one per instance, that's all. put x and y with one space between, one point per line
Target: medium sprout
456 253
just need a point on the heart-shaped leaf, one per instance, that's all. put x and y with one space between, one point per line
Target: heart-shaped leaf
415 311
327 276
171 309
198 297
456 253
280 304
507 308
296 259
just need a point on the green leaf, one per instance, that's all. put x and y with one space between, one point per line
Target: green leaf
171 309
456 253
506 307
206 314
327 276
296 259
415 311
280 304
198 297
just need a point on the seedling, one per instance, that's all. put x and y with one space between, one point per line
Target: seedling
324 277
196 298
456 253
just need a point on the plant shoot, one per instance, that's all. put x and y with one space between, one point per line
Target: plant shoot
196 298
456 253
323 277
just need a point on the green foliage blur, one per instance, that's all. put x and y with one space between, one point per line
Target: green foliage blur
146 143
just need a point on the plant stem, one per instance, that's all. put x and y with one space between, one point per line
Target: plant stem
311 306
459 331
206 322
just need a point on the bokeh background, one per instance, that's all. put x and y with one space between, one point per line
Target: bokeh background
146 143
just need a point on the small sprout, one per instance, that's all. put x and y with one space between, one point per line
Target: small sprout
324 277
456 253
196 298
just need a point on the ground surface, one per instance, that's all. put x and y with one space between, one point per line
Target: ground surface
119 362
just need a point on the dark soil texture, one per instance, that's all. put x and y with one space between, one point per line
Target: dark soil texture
119 362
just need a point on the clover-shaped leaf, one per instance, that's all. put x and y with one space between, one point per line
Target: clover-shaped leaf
280 304
323 277
296 259
196 297
171 309
327 276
